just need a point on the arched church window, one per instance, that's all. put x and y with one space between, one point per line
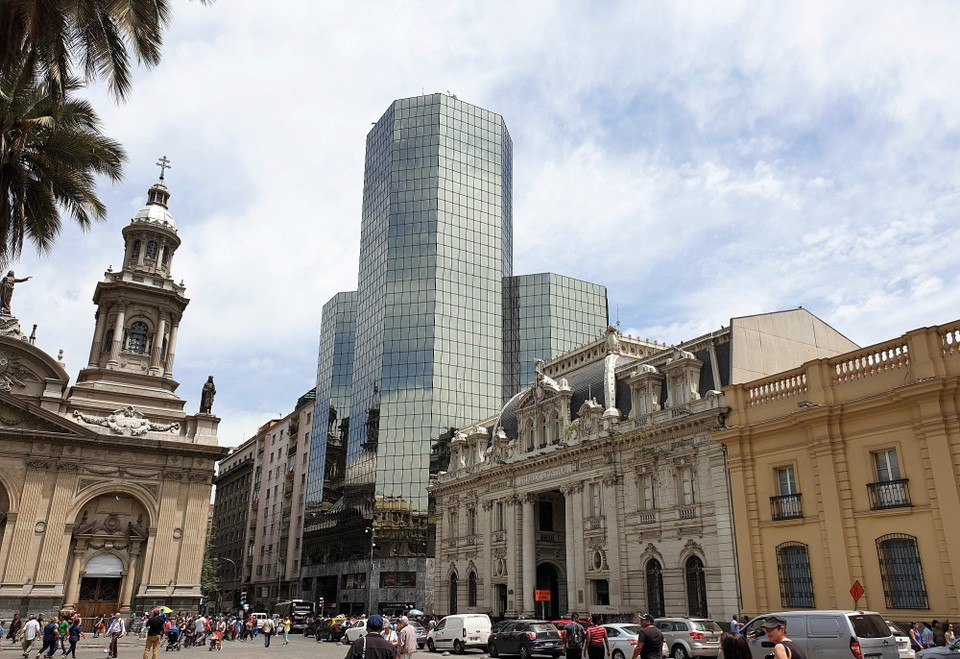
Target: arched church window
543 431
165 255
137 338
107 341
152 250
555 422
528 432
136 248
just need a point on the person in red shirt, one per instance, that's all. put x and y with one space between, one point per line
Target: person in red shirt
598 646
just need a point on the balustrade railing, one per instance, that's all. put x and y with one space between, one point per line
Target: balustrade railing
874 360
688 512
889 494
786 506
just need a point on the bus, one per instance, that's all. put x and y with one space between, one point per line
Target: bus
300 611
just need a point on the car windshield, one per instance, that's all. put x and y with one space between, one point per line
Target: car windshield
631 629
706 626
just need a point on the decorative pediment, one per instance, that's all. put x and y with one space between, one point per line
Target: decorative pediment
17 414
126 421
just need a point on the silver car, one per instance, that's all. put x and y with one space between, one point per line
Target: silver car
828 635
690 637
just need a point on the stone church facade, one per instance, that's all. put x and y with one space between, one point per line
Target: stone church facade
600 489
105 485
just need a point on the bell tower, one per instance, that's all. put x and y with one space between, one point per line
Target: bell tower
139 308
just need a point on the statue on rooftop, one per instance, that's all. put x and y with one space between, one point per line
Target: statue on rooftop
6 290
206 396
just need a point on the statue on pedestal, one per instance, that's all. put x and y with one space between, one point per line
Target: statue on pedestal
206 396
6 290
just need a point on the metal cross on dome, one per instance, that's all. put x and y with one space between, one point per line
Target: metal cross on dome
163 164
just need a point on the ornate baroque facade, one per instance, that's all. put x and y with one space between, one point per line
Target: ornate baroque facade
601 486
105 486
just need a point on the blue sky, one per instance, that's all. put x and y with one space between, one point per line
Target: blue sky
703 160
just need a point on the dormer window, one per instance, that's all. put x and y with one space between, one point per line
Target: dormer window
137 338
152 250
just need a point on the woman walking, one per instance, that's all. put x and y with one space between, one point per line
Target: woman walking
15 625
74 634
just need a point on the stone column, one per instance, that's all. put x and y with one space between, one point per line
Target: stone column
579 577
126 596
117 336
513 584
73 580
485 577
569 532
613 539
97 346
171 348
529 555
158 346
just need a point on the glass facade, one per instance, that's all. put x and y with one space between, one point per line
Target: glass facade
545 315
331 418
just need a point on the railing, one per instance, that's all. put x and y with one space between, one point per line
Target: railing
549 538
874 360
647 517
786 506
889 494
593 523
688 512
791 383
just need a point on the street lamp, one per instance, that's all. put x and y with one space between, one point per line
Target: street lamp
373 543
231 562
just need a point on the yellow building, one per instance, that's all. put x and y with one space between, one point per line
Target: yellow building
846 469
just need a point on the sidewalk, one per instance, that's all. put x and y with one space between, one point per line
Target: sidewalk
87 644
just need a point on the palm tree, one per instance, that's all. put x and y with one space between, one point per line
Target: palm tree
51 150
51 36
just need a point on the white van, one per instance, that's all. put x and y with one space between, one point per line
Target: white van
259 617
828 635
459 632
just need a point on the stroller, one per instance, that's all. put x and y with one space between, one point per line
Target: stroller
173 639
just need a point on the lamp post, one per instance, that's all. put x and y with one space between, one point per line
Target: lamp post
373 543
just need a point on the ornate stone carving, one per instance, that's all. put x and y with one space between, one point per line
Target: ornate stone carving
198 477
487 505
68 466
41 465
13 373
126 421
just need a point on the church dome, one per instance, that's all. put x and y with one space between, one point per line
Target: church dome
156 211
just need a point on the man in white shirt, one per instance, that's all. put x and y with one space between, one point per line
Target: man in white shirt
115 630
31 631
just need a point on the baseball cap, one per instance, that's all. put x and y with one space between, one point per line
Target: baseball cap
773 622
375 622
648 617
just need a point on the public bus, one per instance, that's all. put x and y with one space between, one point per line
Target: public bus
300 611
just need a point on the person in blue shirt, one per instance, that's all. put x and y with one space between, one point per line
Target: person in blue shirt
51 634
74 632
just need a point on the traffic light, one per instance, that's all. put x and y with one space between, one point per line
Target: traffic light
243 597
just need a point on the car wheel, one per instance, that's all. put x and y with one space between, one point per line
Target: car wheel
524 652
680 652
617 654
492 650
457 647
431 646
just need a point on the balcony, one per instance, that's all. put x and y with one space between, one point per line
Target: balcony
785 506
255 504
687 512
889 494
646 517
593 524
549 538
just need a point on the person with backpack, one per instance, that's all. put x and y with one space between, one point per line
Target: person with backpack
574 636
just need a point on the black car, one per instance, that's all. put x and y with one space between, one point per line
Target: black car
525 638
321 629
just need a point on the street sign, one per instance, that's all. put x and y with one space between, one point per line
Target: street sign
856 591
541 595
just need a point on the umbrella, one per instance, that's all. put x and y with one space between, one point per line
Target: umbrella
414 612
162 609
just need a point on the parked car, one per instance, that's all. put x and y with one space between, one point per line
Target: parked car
623 639
319 629
338 625
903 642
951 651
690 637
352 632
459 632
828 635
526 638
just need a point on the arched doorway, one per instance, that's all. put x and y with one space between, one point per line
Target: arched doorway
696 588
453 594
654 574
100 586
548 578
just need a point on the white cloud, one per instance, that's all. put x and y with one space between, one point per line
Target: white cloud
702 161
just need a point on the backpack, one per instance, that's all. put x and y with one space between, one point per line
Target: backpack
575 636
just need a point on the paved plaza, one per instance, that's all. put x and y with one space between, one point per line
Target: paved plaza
131 647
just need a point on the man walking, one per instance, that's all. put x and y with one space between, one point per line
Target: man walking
154 635
408 638
31 631
573 637
267 631
373 645
115 630
649 641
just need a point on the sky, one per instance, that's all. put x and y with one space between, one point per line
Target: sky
703 160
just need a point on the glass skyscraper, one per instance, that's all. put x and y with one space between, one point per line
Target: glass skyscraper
428 344
545 315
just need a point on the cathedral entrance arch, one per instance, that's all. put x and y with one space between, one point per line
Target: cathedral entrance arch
548 578
109 540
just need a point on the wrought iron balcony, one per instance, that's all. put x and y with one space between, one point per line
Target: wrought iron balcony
786 506
889 494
